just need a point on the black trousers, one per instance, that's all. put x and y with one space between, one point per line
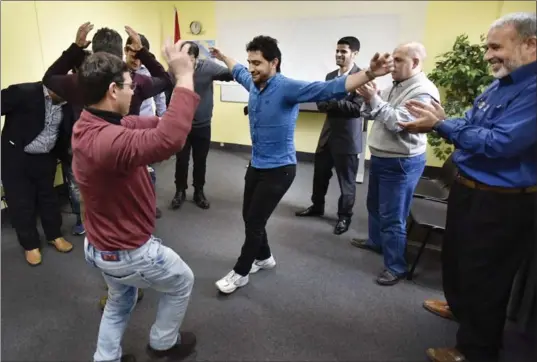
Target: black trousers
346 166
29 190
487 236
199 141
263 190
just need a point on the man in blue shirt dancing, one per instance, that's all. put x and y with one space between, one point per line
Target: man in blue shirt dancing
490 222
273 110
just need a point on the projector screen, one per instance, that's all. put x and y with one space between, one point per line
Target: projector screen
307 45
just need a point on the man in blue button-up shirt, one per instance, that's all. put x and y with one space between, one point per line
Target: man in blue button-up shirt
273 110
491 207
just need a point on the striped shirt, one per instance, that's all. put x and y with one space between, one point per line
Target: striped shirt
46 140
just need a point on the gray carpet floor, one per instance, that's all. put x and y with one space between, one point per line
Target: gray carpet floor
319 304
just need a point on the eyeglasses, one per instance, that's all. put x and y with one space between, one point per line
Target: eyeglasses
131 85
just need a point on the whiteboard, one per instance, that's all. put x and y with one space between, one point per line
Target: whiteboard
308 45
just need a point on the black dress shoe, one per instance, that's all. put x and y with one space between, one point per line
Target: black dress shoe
311 211
388 278
158 213
362 244
201 200
178 199
342 226
179 351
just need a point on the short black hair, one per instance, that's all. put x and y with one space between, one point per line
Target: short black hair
268 47
351 41
194 49
109 41
143 39
96 74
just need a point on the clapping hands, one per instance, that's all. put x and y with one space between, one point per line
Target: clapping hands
427 116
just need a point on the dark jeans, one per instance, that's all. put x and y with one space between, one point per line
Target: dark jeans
487 236
74 191
29 190
199 140
392 182
346 166
263 190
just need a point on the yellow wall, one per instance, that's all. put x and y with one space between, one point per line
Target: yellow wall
48 27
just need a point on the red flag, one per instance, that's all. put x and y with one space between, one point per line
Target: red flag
177 35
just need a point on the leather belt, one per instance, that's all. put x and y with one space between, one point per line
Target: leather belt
502 190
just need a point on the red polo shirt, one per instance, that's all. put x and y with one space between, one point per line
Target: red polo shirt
110 155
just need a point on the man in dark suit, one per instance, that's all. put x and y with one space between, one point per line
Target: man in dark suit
340 142
33 138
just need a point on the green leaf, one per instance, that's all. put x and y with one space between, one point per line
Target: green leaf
461 74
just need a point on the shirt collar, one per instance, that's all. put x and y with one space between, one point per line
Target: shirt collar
521 74
48 97
415 78
272 79
111 117
346 73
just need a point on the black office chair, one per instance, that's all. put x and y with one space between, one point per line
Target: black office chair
429 214
437 189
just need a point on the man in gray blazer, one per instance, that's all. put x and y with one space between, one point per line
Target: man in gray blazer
340 142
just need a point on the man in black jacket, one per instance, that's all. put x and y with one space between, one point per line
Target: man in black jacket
340 142
32 141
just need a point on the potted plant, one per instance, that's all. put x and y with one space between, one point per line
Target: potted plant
461 74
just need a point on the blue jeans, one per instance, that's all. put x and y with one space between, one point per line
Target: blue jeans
74 191
152 265
392 182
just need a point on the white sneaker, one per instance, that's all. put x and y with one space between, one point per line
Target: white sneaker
231 282
263 264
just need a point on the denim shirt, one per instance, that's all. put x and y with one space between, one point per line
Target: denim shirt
273 111
496 139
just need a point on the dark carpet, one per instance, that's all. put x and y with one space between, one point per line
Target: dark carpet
319 304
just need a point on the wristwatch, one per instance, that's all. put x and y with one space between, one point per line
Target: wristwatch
437 124
370 74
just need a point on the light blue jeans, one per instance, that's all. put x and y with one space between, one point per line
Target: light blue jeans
155 266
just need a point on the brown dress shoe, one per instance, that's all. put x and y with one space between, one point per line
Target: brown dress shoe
438 307
445 355
33 257
62 245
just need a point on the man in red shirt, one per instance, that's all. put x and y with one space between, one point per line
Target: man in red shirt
110 154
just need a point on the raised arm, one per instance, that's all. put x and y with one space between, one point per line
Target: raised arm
160 80
56 78
219 72
238 71
303 92
126 148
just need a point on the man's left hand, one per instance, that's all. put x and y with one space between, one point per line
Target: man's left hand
368 90
427 116
136 44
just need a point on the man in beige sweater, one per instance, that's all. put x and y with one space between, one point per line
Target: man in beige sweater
397 158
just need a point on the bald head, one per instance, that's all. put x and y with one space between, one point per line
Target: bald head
408 60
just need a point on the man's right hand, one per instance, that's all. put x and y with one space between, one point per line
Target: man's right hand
82 34
216 53
179 62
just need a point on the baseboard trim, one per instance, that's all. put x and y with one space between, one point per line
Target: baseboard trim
308 157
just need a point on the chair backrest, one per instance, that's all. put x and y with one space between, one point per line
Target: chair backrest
449 171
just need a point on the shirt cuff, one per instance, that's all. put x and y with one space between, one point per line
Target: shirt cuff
444 128
375 102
